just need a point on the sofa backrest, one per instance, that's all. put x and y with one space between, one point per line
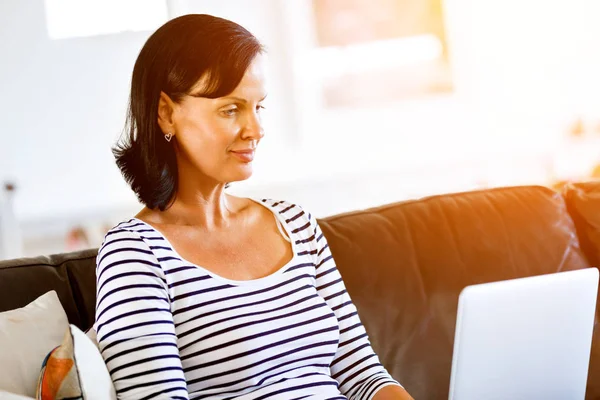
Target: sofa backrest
405 264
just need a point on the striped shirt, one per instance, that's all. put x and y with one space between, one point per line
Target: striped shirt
170 329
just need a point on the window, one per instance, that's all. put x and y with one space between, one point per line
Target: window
380 51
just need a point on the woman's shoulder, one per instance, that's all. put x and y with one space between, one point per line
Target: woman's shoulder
127 233
288 209
299 220
130 241
128 227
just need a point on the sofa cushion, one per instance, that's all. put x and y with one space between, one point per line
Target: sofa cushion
583 203
405 264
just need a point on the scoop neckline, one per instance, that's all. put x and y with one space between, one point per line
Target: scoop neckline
234 282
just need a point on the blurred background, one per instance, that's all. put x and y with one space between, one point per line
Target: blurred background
370 102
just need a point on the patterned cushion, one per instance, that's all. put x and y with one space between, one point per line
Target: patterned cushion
58 378
75 370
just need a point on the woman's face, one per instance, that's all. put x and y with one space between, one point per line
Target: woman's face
217 138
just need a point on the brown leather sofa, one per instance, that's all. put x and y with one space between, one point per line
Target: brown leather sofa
404 265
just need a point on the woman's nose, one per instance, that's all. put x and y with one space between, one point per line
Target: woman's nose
254 128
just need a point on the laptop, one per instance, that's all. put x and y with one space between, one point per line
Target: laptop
527 338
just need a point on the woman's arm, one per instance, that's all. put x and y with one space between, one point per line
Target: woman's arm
136 334
392 393
356 367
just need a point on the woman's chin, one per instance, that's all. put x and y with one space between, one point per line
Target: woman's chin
241 174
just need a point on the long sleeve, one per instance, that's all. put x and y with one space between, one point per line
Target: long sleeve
356 367
134 322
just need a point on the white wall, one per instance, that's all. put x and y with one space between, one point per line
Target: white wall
527 66
62 106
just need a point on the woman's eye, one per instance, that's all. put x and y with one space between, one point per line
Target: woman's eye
259 107
230 112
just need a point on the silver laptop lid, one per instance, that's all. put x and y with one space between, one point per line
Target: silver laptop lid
527 338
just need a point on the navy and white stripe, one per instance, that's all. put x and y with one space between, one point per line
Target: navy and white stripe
170 329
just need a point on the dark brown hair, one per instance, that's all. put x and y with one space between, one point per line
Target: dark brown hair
173 60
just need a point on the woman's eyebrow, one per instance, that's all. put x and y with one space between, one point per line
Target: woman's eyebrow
240 99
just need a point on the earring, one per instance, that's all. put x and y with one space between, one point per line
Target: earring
169 136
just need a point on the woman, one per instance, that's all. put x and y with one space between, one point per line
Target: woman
205 295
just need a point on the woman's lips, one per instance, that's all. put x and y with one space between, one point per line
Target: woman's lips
244 155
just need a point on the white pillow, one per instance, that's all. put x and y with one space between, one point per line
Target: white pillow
26 336
94 378
11 396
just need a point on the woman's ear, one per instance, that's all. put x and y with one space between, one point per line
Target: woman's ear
166 107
